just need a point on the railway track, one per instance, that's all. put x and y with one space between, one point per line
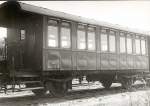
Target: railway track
102 91
79 93
31 100
83 87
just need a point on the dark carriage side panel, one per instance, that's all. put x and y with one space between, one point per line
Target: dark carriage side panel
82 62
34 41
141 61
144 63
113 61
51 59
148 47
122 62
137 62
66 60
130 61
74 45
91 61
98 62
109 61
28 50
56 58
104 59
13 51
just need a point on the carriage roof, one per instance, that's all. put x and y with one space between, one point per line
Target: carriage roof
48 12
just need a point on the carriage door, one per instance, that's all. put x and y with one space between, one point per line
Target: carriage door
15 48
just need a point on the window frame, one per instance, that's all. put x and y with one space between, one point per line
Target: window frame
112 33
68 27
104 31
58 31
143 38
22 35
123 34
137 37
130 36
93 31
85 31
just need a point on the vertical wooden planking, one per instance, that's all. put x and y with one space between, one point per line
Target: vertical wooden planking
74 45
98 48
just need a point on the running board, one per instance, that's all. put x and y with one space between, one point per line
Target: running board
24 82
34 88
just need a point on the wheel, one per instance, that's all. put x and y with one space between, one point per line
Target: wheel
106 83
127 83
39 92
148 82
57 89
69 84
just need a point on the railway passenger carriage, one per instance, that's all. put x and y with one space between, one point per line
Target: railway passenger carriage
46 49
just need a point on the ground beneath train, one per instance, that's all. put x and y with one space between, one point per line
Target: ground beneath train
87 95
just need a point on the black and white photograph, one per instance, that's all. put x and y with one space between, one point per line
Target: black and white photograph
75 53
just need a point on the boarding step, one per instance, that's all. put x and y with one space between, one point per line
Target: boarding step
148 79
82 84
26 73
25 82
34 88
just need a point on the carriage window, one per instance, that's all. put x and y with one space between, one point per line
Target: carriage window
112 42
52 36
137 46
81 38
104 42
65 36
23 34
129 45
122 45
143 46
91 39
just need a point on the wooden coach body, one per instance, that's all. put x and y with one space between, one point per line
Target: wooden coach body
29 35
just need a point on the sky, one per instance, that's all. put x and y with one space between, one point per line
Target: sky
132 14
